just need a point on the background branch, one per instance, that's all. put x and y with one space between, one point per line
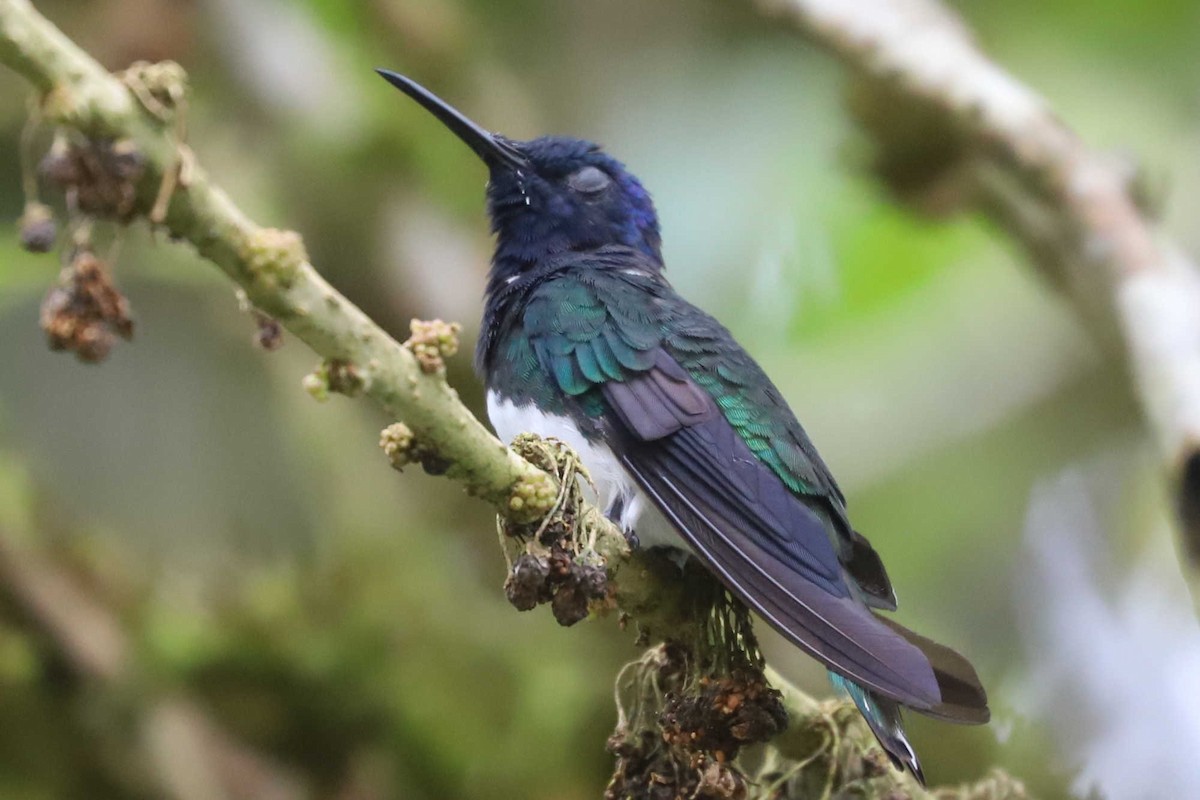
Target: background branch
956 132
181 751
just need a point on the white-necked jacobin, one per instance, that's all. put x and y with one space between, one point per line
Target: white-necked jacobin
688 441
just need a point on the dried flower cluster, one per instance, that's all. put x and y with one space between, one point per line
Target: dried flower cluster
84 312
683 731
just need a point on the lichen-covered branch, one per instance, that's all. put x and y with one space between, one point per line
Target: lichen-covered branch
955 131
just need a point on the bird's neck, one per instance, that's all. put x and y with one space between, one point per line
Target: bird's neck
526 239
510 282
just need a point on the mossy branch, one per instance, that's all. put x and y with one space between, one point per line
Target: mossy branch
134 164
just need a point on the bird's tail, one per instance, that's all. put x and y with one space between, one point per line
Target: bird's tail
883 716
963 699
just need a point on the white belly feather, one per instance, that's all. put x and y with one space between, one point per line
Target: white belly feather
614 486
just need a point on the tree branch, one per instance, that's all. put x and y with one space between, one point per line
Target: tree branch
955 131
269 265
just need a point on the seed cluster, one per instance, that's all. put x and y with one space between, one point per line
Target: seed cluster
99 176
569 585
84 312
102 178
559 564
685 730
719 716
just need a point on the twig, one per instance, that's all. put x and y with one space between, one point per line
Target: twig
86 636
951 124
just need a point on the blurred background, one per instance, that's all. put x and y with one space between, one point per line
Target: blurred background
262 563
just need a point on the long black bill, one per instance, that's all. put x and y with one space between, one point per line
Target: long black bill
494 150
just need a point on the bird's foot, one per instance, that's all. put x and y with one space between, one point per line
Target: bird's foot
614 513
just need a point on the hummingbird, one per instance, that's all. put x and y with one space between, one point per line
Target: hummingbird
689 443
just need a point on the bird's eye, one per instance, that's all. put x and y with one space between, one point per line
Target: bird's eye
589 180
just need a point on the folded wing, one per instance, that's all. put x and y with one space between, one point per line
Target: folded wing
768 521
770 550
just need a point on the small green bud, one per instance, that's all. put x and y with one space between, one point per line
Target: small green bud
432 342
274 256
316 384
532 497
398 444
336 376
161 87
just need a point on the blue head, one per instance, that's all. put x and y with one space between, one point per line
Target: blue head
568 195
549 195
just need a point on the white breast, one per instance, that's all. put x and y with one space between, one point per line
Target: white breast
615 489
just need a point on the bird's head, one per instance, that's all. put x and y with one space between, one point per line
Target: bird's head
549 195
